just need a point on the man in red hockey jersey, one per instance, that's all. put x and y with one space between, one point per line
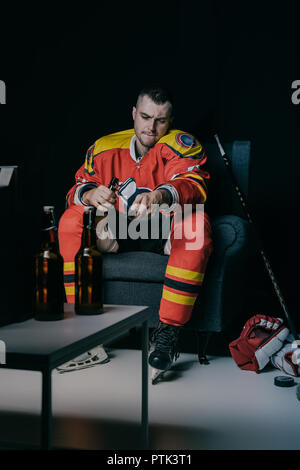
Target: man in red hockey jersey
156 165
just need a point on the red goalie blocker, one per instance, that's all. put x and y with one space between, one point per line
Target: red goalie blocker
261 337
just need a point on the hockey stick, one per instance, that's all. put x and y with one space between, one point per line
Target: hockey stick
261 250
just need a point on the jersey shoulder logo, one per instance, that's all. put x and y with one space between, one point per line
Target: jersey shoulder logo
182 144
185 140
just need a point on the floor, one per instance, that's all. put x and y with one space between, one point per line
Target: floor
208 407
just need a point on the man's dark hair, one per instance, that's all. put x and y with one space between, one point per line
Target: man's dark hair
157 94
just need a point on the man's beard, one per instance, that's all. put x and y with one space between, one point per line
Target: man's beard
145 146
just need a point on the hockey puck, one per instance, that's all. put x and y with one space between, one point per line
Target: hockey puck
282 381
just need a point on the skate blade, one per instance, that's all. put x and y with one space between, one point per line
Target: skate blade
91 358
157 375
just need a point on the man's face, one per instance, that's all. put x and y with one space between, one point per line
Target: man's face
151 121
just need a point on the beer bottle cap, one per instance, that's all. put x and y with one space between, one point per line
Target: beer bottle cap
48 208
88 208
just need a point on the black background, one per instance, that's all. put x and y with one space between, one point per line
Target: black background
72 73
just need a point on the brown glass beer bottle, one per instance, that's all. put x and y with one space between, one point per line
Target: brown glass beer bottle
88 269
113 186
49 297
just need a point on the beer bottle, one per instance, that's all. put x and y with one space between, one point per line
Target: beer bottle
101 213
113 185
48 272
88 269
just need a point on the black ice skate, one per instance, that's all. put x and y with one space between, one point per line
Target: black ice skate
163 349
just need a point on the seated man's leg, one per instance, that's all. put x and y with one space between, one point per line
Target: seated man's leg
69 236
190 247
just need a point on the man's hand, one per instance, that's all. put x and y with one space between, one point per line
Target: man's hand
102 196
143 203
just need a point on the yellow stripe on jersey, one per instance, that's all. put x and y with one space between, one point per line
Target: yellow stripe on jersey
198 186
193 175
88 164
116 140
177 298
185 274
182 143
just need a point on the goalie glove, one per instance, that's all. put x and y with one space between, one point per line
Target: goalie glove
286 359
261 337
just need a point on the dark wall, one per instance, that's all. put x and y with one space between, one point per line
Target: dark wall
72 75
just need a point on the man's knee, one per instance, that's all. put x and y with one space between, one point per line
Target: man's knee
106 242
71 220
191 234
69 232
71 224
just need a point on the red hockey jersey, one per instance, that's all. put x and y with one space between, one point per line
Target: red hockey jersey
174 162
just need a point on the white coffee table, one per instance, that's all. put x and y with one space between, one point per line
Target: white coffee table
43 346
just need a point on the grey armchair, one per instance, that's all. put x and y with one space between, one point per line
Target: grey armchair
137 277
